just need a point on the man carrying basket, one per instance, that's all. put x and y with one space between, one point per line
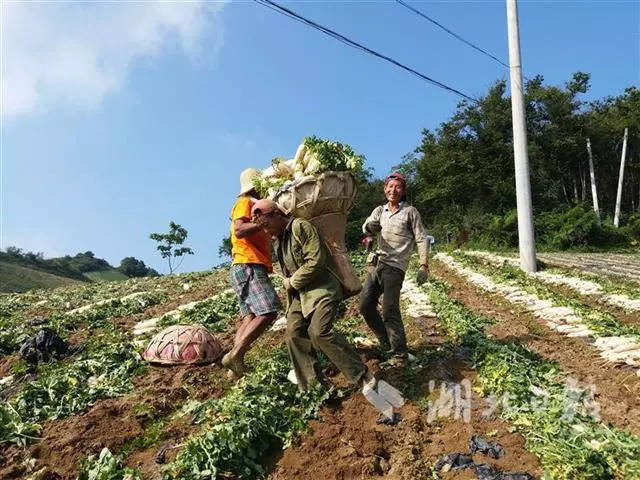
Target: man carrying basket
314 294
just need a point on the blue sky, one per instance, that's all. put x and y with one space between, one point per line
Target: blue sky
119 117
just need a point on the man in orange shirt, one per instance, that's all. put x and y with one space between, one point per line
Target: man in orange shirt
251 253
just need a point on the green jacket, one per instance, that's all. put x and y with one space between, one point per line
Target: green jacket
305 259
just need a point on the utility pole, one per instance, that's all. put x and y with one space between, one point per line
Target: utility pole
526 239
594 192
616 217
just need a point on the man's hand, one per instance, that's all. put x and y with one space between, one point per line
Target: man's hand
286 283
423 274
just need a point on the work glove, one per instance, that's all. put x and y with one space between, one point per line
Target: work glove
286 283
423 274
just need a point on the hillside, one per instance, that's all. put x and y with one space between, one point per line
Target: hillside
22 271
17 278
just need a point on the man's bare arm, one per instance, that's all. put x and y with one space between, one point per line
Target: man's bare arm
244 228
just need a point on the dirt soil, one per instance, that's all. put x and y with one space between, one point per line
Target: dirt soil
617 386
346 443
114 422
6 363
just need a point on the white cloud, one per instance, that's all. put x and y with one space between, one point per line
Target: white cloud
76 53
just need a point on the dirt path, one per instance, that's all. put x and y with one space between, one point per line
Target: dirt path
346 442
617 388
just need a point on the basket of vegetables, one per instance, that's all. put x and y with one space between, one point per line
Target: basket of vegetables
319 185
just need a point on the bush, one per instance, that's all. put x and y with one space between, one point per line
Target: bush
632 228
576 228
499 231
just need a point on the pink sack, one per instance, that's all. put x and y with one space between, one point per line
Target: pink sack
183 344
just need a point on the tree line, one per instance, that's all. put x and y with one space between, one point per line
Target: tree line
461 174
75 266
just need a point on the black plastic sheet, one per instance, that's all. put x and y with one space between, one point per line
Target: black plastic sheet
482 445
43 346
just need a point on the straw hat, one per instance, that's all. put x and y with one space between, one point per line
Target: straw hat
246 185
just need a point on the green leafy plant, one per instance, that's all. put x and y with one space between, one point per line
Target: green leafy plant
322 155
333 156
213 313
105 369
13 429
262 411
106 466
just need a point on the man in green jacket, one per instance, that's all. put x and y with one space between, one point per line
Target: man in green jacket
314 294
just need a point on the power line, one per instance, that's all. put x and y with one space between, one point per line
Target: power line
454 34
347 41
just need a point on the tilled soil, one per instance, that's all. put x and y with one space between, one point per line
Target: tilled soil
625 266
617 387
113 422
6 363
347 443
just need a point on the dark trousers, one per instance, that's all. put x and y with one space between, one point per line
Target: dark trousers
314 333
389 329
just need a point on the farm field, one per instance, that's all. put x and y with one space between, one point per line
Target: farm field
105 276
547 366
626 266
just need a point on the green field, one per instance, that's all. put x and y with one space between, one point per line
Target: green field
16 278
105 276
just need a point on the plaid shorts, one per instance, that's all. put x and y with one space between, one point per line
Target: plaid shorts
254 289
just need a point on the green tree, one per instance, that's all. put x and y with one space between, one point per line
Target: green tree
224 250
132 267
170 245
461 176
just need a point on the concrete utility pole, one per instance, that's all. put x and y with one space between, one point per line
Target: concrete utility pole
523 186
594 192
616 217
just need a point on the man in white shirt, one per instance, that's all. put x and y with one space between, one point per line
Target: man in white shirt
399 229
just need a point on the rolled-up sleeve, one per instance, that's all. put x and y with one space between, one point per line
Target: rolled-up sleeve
372 223
313 257
420 236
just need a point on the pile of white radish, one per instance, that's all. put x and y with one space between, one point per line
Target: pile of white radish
584 287
562 319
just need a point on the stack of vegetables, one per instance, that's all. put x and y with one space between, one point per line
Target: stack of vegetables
313 157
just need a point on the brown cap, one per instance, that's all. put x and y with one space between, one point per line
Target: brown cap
264 206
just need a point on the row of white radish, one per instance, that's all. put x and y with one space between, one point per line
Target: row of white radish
147 326
584 287
417 301
563 319
124 299
185 286
627 266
